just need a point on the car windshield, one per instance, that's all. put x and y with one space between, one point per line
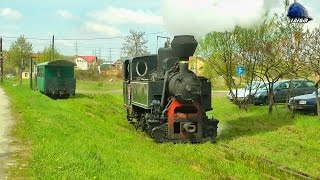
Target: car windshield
315 92
254 85
263 86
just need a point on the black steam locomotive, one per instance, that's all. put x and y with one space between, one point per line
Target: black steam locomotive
167 100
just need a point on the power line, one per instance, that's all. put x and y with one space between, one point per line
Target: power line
80 39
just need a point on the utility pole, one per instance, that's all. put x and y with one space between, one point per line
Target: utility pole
76 49
52 49
31 69
1 60
110 58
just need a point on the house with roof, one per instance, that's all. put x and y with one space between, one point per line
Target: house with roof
86 62
196 64
118 64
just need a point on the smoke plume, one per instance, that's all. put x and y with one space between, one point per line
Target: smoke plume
199 17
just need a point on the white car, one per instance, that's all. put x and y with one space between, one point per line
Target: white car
9 75
245 93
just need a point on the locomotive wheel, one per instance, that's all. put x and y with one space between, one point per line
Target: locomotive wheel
158 134
128 115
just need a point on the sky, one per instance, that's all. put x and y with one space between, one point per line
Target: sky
110 20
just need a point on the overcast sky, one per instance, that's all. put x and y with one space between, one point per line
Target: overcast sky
79 19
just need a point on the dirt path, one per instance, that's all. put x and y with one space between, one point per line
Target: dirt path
5 123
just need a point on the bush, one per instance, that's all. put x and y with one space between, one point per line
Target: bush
88 75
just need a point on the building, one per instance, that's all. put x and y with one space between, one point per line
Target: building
105 65
35 55
118 64
196 64
26 74
86 62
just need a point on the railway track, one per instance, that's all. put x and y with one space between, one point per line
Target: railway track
280 167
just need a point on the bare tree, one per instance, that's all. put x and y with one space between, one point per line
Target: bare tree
270 65
135 44
223 54
313 60
291 44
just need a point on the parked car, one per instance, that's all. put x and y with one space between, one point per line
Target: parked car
281 90
244 93
304 103
9 75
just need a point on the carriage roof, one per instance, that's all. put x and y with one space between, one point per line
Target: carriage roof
58 63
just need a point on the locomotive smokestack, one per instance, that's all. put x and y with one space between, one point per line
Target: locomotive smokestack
184 46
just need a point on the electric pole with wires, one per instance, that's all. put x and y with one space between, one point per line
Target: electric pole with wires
1 60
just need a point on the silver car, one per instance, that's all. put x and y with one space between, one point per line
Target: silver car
244 93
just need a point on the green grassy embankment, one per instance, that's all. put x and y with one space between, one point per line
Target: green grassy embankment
87 137
99 85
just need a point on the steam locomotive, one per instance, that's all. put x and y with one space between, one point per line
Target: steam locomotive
167 100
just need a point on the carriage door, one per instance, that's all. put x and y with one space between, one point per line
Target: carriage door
60 79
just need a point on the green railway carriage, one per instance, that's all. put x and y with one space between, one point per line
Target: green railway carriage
56 78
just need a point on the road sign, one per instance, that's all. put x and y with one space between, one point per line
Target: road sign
240 70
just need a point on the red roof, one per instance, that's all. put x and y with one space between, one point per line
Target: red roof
35 55
89 59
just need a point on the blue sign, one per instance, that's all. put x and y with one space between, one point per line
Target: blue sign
298 13
241 70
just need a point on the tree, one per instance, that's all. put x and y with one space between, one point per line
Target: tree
135 44
19 55
313 62
45 55
222 52
270 64
296 47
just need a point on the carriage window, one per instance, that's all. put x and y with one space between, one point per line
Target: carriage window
40 72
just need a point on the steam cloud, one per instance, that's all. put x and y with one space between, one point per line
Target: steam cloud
199 17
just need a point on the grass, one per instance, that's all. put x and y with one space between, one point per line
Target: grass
99 85
87 137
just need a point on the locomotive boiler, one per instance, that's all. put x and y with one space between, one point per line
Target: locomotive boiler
167 100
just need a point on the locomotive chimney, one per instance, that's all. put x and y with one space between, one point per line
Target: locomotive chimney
183 47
